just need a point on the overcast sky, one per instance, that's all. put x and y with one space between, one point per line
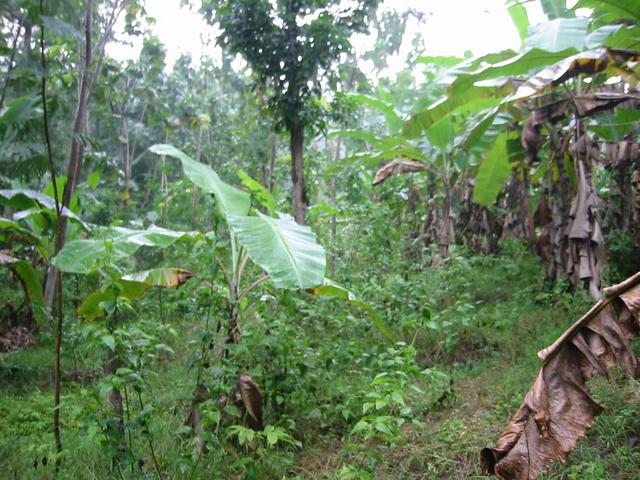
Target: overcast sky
450 27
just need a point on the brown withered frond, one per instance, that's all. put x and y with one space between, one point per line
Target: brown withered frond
398 167
557 410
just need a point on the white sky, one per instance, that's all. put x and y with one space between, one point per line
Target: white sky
450 27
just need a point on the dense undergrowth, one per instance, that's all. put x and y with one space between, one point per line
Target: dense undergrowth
339 400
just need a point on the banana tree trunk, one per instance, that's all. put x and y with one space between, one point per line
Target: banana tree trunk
445 232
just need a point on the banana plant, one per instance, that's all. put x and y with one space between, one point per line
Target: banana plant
557 51
103 254
287 252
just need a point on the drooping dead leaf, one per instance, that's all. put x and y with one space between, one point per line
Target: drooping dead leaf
597 102
620 153
249 396
586 242
558 410
531 138
589 62
397 167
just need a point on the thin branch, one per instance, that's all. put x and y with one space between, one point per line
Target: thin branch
258 282
102 43
243 263
45 113
58 275
149 439
224 272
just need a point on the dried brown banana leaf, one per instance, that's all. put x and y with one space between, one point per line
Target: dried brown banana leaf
397 167
558 410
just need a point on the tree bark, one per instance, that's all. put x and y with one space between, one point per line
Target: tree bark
297 173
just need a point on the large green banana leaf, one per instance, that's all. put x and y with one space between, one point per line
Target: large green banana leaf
86 256
230 200
131 287
11 228
558 35
22 199
288 252
470 91
394 122
520 19
493 172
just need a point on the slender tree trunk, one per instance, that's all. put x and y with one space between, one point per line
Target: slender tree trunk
164 182
115 401
77 148
58 275
86 82
272 161
126 154
332 199
297 173
195 199
233 329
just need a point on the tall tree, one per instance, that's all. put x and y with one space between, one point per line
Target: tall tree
89 65
290 45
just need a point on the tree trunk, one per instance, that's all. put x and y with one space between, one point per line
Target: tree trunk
86 82
80 126
297 173
116 424
272 161
126 154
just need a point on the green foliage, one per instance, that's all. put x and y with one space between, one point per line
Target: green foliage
230 200
442 356
558 35
287 44
287 251
117 243
492 173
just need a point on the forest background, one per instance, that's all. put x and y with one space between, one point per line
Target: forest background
298 256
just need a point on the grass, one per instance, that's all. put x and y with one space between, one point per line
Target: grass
317 367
